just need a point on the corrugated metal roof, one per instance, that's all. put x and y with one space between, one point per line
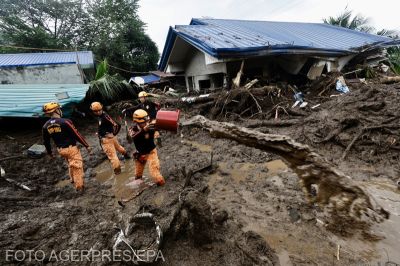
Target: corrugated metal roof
22 100
229 38
150 78
35 59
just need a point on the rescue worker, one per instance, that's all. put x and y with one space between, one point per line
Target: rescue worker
107 132
142 134
65 136
150 107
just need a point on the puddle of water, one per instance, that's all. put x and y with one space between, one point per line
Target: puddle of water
158 199
105 174
378 253
388 196
275 167
240 171
63 183
284 259
199 146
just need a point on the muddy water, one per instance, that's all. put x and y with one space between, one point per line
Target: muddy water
301 239
240 171
122 183
387 195
63 183
119 183
197 145
296 240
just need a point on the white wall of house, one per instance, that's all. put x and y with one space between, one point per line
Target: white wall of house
197 70
49 74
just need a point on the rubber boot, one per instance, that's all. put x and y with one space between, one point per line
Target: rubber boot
117 170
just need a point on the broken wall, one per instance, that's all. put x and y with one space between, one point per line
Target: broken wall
200 75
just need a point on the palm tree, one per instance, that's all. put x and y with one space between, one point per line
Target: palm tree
346 20
108 87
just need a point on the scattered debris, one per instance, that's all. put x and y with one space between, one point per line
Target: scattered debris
236 81
36 151
341 85
136 237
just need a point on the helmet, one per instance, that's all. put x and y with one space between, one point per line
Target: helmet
49 108
140 116
143 94
96 106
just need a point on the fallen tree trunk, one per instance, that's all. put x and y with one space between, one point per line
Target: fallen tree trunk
334 187
268 123
389 80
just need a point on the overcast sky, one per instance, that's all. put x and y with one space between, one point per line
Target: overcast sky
160 14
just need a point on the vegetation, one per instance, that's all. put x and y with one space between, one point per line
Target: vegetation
108 88
361 23
110 28
347 20
394 59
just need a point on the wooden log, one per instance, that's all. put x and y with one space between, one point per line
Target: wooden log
334 188
389 80
274 123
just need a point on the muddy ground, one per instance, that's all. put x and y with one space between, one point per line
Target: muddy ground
247 209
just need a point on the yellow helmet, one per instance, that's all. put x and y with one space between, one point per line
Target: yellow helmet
140 116
96 106
143 94
49 108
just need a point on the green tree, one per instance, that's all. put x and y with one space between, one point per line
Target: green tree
41 23
120 37
347 20
110 28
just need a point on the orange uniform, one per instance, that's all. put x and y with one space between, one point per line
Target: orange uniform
65 136
146 152
108 129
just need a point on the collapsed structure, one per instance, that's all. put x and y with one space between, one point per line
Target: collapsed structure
209 52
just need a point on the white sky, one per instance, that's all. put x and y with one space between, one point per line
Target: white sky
160 14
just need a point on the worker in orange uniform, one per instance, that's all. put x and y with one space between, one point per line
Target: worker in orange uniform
107 132
150 107
142 134
65 136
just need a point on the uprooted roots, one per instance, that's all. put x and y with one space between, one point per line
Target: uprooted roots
335 190
245 102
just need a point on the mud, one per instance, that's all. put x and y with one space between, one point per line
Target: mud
249 209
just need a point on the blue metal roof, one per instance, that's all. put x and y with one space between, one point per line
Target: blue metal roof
26 100
53 58
235 38
150 78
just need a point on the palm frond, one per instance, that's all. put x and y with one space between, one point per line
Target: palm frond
107 87
102 69
345 20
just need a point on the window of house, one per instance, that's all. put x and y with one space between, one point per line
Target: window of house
205 84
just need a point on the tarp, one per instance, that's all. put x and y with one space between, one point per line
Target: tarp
26 100
148 79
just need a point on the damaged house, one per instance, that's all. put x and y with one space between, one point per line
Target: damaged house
209 52
30 79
